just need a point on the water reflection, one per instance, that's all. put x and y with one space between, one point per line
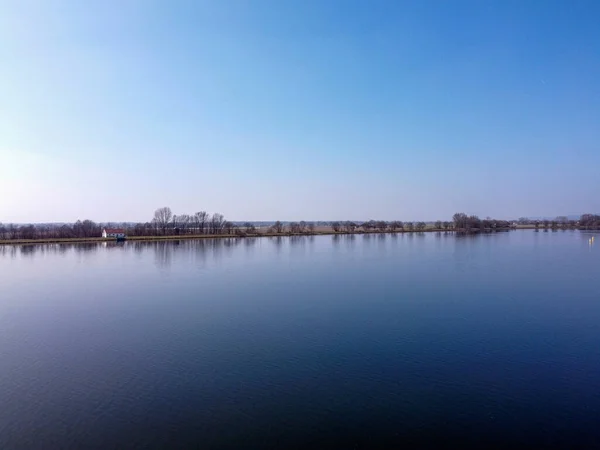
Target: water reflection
462 253
111 245
336 240
250 242
164 251
28 250
277 241
31 250
197 251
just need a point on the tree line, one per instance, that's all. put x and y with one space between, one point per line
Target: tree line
165 223
585 222
463 222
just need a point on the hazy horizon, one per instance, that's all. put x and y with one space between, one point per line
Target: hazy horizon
270 110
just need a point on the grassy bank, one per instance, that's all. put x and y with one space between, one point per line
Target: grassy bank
208 236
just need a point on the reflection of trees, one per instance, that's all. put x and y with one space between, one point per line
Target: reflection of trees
62 248
296 241
250 242
86 248
350 240
113 245
28 250
462 249
278 242
163 253
196 249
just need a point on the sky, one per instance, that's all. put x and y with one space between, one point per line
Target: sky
298 110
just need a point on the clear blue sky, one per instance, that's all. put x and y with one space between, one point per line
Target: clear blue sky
266 110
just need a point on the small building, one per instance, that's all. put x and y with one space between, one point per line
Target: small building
118 233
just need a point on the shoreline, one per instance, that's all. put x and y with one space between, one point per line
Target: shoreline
93 240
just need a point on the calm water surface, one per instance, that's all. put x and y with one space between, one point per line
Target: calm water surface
312 342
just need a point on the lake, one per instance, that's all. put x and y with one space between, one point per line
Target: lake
302 342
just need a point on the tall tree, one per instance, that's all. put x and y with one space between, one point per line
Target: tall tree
200 219
460 221
350 226
382 225
277 227
294 227
162 218
216 223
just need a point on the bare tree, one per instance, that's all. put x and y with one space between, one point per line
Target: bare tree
162 218
381 225
87 228
336 226
311 227
250 228
228 227
27 232
350 226
460 221
277 227
370 225
294 227
410 226
200 220
563 221
395 225
216 223
183 222
438 225
421 226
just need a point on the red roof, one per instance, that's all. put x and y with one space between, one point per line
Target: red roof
114 230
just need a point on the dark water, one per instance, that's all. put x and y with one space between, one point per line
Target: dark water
349 342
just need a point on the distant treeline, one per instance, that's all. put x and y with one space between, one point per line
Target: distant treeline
585 222
463 222
165 223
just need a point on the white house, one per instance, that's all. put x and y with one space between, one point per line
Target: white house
118 233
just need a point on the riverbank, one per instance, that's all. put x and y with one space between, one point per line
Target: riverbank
211 236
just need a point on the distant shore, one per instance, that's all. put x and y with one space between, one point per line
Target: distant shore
321 232
166 226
